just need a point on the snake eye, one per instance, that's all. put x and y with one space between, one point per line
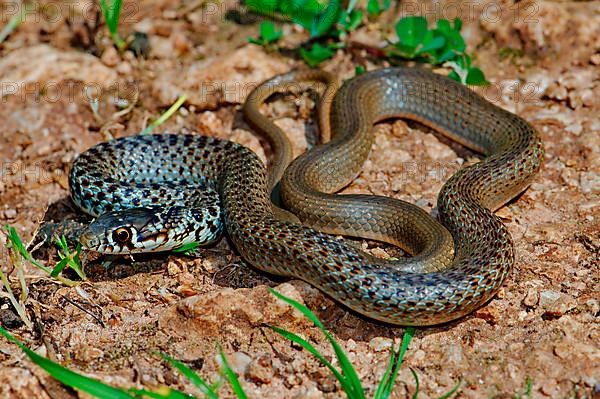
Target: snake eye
122 235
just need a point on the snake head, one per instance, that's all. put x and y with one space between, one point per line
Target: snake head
138 230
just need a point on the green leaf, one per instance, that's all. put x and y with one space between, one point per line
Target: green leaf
411 30
89 385
163 393
457 24
18 245
290 336
431 42
291 6
376 7
262 6
454 76
269 32
453 38
327 19
167 114
350 21
373 8
475 77
316 54
186 247
359 70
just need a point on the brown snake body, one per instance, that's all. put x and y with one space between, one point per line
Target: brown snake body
457 265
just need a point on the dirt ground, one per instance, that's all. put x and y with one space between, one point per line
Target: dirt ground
543 60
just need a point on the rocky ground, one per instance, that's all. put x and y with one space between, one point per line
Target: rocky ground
543 60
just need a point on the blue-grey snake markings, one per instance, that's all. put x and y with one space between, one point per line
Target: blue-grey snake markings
188 188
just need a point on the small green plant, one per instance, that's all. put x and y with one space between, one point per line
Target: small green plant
527 390
329 23
268 34
112 13
68 259
16 246
326 22
442 44
376 7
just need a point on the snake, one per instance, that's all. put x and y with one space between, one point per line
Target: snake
160 192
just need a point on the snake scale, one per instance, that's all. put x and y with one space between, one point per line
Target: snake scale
458 264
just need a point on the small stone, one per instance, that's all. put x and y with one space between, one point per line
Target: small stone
124 68
455 355
531 298
562 350
505 214
181 43
10 213
556 304
589 181
110 57
575 128
380 344
239 362
489 314
547 298
351 345
186 291
260 371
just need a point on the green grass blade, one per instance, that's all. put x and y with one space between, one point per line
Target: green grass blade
161 393
68 377
347 368
303 309
18 245
231 376
417 385
192 376
15 303
452 391
290 336
166 115
12 24
408 335
349 379
386 375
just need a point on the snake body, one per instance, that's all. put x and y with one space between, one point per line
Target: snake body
453 272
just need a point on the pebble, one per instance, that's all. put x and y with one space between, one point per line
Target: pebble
531 298
110 57
9 213
547 298
555 303
488 313
380 344
260 371
124 68
589 181
239 362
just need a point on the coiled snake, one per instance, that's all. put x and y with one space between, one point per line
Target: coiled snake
458 264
